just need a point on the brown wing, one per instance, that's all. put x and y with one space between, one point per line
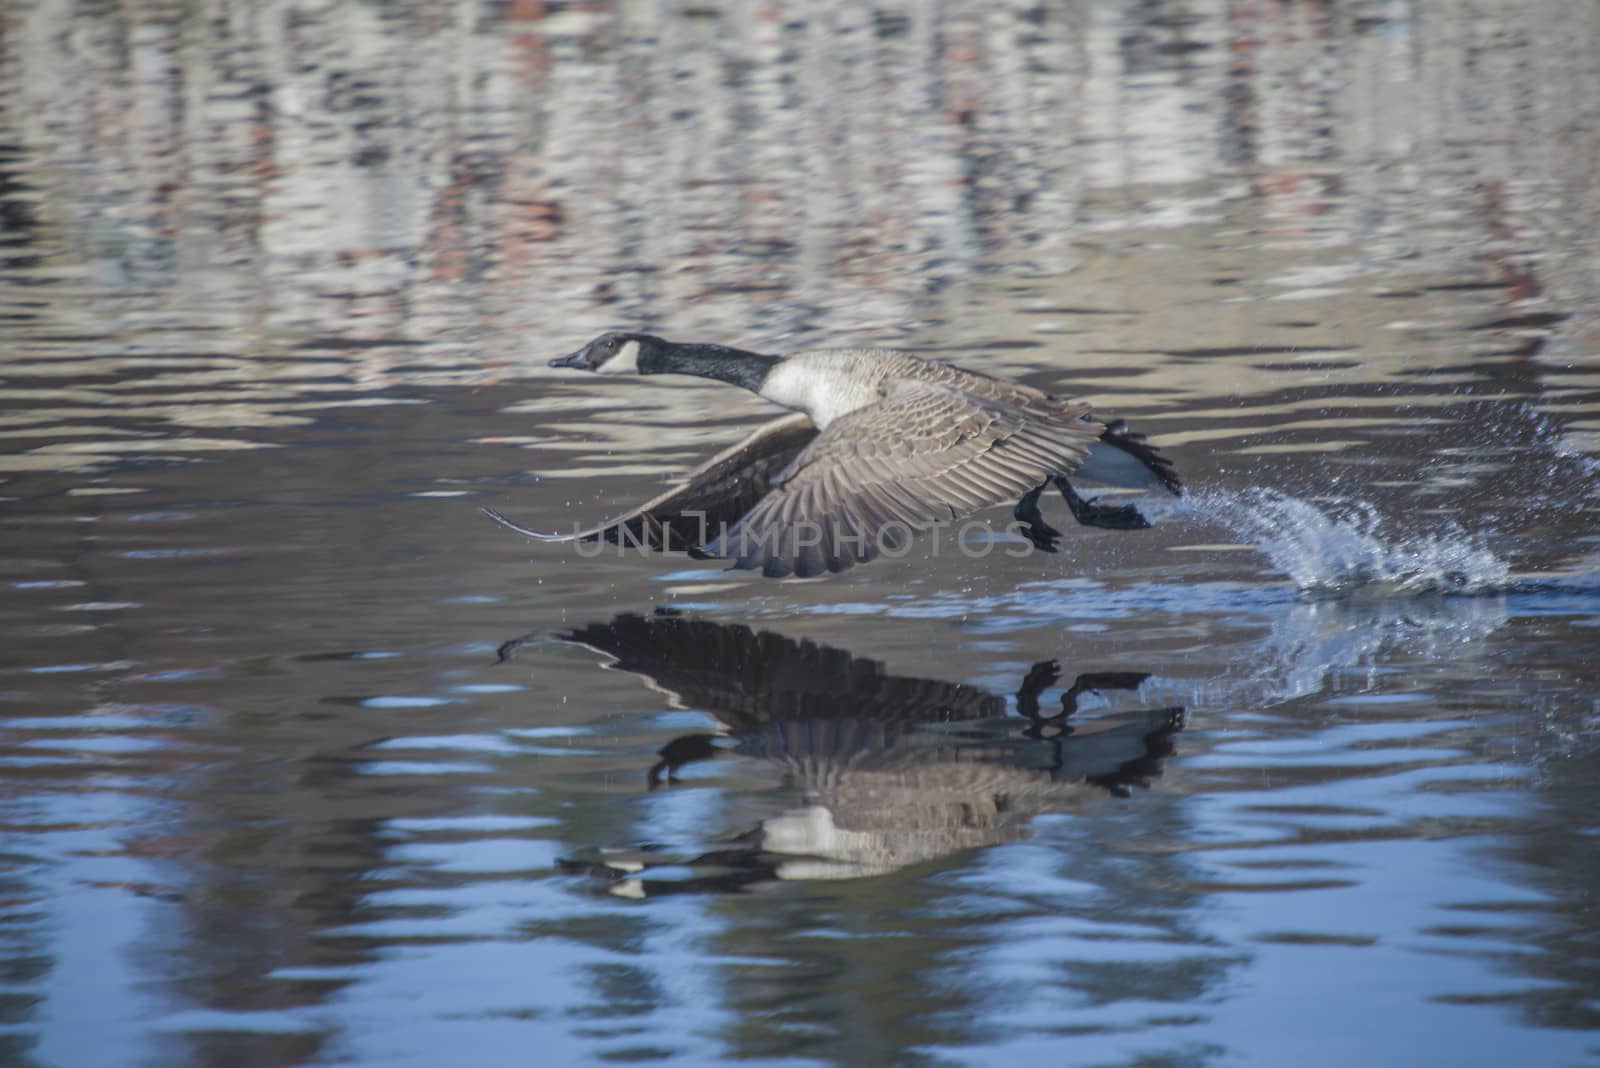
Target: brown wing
927 453
749 678
709 498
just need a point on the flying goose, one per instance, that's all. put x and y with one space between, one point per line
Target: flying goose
881 443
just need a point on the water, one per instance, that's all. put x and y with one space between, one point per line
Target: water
1322 552
304 761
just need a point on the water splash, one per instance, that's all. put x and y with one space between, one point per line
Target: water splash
1348 548
1564 444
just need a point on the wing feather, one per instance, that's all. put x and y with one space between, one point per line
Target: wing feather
706 499
929 452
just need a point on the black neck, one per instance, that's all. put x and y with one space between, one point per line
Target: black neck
735 366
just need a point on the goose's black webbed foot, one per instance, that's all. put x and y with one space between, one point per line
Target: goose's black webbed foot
678 752
1097 682
1042 535
1105 516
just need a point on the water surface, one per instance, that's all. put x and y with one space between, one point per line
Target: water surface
305 762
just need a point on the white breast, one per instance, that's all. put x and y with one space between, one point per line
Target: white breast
821 392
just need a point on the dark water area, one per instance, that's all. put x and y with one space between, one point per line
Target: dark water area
304 761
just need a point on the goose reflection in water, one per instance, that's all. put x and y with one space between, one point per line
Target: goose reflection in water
894 770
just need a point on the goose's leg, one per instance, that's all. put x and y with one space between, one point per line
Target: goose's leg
1040 678
1043 536
1107 516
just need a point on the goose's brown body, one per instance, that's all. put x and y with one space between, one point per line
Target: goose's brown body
904 444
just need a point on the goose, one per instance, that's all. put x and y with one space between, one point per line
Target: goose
879 444
890 769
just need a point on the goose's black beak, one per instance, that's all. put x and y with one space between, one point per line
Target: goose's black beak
571 359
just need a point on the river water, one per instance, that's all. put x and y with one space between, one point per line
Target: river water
304 761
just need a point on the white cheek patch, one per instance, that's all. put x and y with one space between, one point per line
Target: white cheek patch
625 362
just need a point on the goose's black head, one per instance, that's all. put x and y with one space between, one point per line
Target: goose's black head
646 354
618 354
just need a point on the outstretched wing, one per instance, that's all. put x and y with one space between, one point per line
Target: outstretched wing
709 498
929 452
750 678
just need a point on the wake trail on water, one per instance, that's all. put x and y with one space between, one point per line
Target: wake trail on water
1347 546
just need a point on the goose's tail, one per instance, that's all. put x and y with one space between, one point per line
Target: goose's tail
1124 458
